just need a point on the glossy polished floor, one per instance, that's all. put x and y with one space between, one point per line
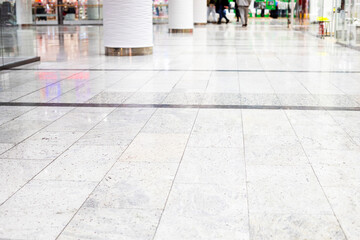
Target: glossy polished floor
226 133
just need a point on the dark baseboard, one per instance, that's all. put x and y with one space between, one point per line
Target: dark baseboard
19 63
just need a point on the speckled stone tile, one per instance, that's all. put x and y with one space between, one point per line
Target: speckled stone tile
261 99
298 100
42 209
205 211
274 150
294 226
14 173
110 97
146 98
112 224
209 165
82 163
171 121
43 146
345 200
221 99
134 185
149 147
5 146
184 98
284 190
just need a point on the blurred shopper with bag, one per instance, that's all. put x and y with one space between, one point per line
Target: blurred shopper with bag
211 10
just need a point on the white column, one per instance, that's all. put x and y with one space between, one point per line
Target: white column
128 28
23 12
200 12
181 16
93 9
292 7
101 9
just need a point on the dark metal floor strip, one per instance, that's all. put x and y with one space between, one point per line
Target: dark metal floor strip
183 70
115 105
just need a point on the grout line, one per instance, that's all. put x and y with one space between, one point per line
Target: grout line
344 129
98 94
314 172
39 160
52 84
139 88
308 157
316 95
245 165
268 80
246 178
78 87
173 87
18 116
303 146
107 171
176 173
204 92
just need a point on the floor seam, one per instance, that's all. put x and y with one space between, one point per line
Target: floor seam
176 173
97 185
36 160
76 88
246 178
316 176
29 93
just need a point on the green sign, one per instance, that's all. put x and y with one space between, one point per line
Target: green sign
271 4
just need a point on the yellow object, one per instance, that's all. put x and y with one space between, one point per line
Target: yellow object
322 19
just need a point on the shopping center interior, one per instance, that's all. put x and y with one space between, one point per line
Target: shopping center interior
189 130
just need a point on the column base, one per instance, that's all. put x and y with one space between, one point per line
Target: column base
200 24
171 30
25 25
128 51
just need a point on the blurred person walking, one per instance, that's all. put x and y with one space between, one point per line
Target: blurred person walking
221 7
244 11
237 12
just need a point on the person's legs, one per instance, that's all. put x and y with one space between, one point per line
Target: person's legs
246 15
221 14
242 16
208 13
237 12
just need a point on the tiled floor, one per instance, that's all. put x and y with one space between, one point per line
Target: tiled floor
228 133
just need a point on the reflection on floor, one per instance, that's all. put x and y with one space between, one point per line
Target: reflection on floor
241 163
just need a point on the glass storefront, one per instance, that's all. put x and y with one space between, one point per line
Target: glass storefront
71 11
340 19
48 12
18 45
8 13
347 22
160 11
